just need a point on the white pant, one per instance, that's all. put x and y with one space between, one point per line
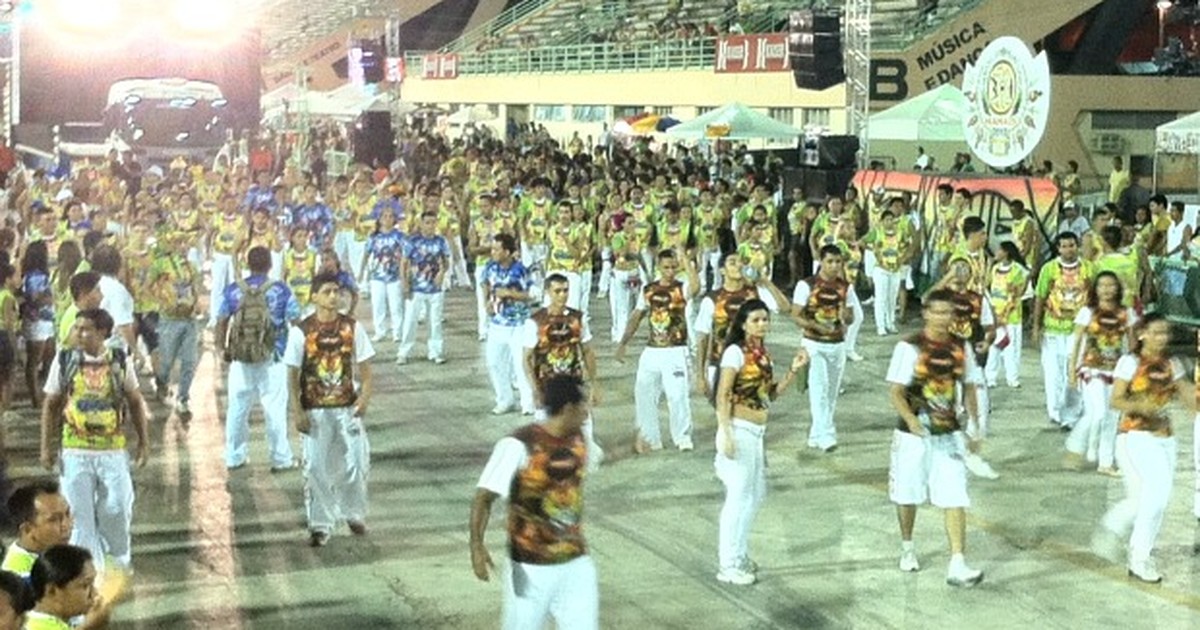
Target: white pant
506 365
337 460
1148 470
481 299
854 327
533 256
826 363
1095 435
386 301
606 268
621 299
354 250
267 381
887 297
568 593
663 370
1062 402
220 276
745 480
585 292
710 260
432 303
1010 356
99 489
459 263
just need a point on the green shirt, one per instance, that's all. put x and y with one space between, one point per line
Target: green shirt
1063 290
35 620
18 560
65 323
1125 266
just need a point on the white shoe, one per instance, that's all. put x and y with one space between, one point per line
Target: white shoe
964 577
979 467
686 445
500 410
854 356
1145 571
736 576
377 338
401 360
908 561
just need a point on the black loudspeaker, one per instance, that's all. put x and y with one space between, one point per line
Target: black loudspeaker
817 183
815 49
374 143
837 152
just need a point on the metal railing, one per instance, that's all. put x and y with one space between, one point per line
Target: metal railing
507 18
608 57
918 27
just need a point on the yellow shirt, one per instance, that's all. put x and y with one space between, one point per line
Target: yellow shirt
18 560
1118 181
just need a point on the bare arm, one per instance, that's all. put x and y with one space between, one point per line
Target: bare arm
52 413
1073 360
481 512
898 396
364 390
297 412
635 320
140 415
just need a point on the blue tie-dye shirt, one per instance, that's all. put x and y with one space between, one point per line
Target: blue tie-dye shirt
424 254
281 303
383 255
507 312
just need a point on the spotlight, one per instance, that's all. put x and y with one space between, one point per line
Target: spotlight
1163 5
182 136
89 16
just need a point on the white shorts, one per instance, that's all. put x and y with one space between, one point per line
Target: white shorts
930 468
39 330
909 285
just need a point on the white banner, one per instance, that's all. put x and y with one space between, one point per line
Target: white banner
1008 102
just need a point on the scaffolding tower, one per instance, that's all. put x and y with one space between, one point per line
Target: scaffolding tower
857 51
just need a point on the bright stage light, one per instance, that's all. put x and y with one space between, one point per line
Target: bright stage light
87 16
208 19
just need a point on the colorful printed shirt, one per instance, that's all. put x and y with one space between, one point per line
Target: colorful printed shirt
890 247
363 213
384 250
563 245
1125 265
977 262
318 220
755 375
1105 334
282 306
38 304
228 231
93 393
932 372
666 306
426 255
707 219
1150 379
174 281
327 353
1064 289
718 310
506 311
298 271
823 302
35 620
557 342
1007 284
137 265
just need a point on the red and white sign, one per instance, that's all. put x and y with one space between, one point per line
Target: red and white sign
438 66
753 53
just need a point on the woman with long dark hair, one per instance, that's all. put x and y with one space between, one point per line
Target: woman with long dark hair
37 317
1102 336
1144 382
1007 290
746 388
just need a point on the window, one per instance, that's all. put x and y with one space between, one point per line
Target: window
700 111
549 113
664 111
782 114
626 111
1102 120
589 113
816 116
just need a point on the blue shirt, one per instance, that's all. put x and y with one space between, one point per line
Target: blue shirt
35 285
390 202
281 303
505 311
256 197
424 254
317 219
383 255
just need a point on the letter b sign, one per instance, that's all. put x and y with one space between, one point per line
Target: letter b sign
888 80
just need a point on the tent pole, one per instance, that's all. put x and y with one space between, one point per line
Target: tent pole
1154 184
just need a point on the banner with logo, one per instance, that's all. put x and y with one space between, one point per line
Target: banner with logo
440 66
1008 102
767 52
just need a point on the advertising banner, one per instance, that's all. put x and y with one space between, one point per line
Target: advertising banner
752 53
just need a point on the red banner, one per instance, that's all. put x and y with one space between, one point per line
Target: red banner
439 66
753 53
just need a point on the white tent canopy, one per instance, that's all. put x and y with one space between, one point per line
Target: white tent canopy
733 122
935 116
346 102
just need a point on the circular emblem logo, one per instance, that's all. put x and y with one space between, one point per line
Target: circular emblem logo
1008 102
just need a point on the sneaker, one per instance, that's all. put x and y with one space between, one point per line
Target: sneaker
908 561
1015 385
500 410
979 467
832 448
1145 571
735 576
686 445
235 467
854 356
358 528
1109 471
182 410
318 539
641 446
293 465
964 577
438 360
401 360
894 330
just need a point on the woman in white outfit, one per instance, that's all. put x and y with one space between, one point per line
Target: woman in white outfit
1144 383
744 393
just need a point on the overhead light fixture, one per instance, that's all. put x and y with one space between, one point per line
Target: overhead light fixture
182 136
1163 5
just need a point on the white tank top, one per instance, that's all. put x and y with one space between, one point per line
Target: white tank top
1175 237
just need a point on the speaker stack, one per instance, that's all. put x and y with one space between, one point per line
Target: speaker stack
815 48
828 164
374 143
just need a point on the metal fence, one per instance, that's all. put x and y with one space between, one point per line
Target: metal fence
608 57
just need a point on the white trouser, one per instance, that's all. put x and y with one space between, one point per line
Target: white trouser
459 263
606 267
574 288
1095 435
663 370
1147 464
710 260
341 249
267 381
276 267
887 297
568 593
221 276
534 258
1062 402
355 249
481 299
855 326
1010 356
506 365
337 460
99 489
648 262
827 360
585 292
386 301
621 299
745 479
419 303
